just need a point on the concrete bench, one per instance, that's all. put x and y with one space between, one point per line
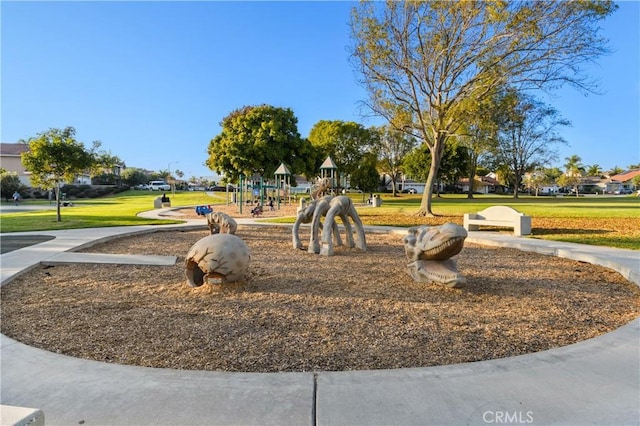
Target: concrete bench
158 203
501 216
21 416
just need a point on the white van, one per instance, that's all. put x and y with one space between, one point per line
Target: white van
159 185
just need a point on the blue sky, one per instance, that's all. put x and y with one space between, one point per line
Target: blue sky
153 80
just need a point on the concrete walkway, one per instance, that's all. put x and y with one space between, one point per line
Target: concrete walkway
592 382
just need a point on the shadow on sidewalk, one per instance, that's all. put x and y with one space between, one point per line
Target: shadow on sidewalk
14 242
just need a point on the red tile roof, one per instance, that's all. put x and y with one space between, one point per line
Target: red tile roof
626 176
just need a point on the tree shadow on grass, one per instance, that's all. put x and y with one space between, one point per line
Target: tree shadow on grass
570 231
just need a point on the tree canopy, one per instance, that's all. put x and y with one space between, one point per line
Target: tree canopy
55 156
424 64
345 141
9 183
255 140
454 161
366 176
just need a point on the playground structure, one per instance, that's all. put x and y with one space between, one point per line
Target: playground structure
252 192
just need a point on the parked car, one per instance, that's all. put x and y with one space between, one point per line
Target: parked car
141 186
159 185
351 191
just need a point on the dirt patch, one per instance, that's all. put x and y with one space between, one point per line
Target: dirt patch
301 312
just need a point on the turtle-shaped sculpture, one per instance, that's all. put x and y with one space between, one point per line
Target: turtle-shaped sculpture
219 222
217 258
429 249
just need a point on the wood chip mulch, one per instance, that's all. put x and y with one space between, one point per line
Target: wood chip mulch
304 312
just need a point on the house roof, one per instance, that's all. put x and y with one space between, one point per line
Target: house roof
13 149
484 180
626 176
490 180
592 180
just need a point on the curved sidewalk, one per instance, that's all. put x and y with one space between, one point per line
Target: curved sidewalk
592 382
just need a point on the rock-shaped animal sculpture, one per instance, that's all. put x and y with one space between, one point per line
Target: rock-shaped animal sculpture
221 223
429 249
319 188
218 258
343 207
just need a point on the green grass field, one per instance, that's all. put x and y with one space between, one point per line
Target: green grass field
567 207
118 210
609 221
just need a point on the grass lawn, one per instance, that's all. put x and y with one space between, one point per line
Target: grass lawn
118 210
598 220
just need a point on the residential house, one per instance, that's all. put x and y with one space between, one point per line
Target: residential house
593 185
622 182
403 184
483 185
10 160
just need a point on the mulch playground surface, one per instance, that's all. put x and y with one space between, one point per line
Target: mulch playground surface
303 312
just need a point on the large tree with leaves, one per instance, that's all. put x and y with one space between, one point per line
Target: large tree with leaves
255 140
133 176
345 141
366 176
425 63
9 183
479 137
453 164
55 156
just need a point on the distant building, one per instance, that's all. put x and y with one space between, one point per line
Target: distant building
482 185
622 182
10 160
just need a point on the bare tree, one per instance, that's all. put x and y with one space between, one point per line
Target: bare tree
393 147
425 63
526 136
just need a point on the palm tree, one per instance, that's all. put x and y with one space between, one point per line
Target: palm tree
574 170
573 165
594 170
615 171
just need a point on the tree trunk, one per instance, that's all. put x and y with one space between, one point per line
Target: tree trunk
58 217
436 156
473 164
425 204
